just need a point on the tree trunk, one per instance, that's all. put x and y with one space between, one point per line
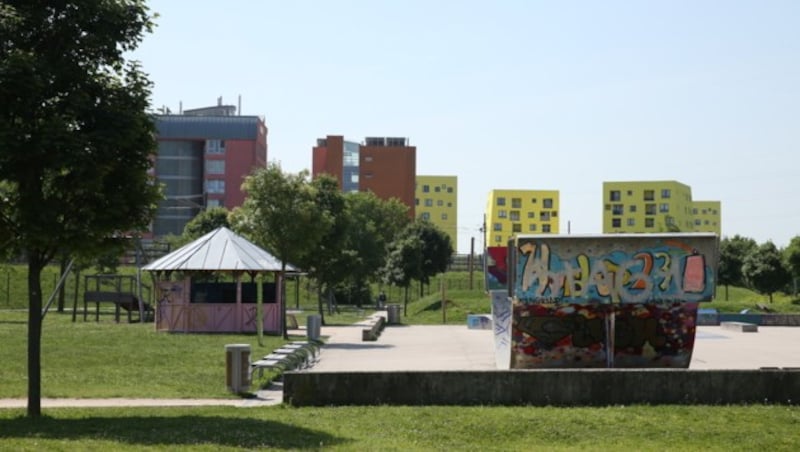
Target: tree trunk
726 292
62 289
34 336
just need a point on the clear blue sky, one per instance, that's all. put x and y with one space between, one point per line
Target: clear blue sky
515 94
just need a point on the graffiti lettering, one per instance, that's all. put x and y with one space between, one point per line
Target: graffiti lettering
645 275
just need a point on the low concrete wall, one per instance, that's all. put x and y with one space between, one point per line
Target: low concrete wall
709 319
600 387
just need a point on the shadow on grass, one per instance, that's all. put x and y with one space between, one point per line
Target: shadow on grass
437 306
167 430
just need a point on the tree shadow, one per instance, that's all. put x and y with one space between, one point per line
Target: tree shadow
181 430
437 306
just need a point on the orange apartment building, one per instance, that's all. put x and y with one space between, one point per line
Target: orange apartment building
386 166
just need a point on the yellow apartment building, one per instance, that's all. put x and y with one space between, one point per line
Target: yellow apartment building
707 216
652 206
510 212
437 202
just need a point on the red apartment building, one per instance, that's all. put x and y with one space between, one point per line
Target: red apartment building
386 166
203 157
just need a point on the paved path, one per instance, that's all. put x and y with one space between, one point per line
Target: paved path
455 347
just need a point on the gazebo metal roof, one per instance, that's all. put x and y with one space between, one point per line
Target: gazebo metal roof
219 250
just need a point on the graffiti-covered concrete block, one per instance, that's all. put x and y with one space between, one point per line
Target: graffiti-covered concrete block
615 300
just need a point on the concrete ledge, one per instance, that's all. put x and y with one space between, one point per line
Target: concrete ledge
739 326
584 387
373 331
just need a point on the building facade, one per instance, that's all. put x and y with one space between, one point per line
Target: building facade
386 166
203 157
654 206
707 216
511 212
437 201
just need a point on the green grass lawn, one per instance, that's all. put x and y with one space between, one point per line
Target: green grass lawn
650 428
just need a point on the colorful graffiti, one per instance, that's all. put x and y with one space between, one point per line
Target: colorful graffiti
608 301
659 274
496 268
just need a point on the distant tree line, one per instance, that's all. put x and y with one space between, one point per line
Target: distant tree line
761 267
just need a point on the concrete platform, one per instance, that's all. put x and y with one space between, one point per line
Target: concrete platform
456 347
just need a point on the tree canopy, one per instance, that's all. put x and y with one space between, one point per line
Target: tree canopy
75 137
280 214
765 271
732 254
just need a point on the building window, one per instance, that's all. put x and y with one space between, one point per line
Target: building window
497 227
426 215
215 186
498 238
544 216
449 189
697 222
215 146
444 216
617 209
665 193
428 202
631 222
516 203
439 202
213 203
531 214
416 201
426 189
514 215
694 211
516 227
437 189
649 209
614 195
616 222
548 203
533 200
649 195
532 227
663 207
215 166
367 158
545 228
501 201
632 208
501 214
449 204
649 222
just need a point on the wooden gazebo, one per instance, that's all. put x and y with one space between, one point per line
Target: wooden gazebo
189 299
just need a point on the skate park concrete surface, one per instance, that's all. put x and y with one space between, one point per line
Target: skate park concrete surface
417 365
452 364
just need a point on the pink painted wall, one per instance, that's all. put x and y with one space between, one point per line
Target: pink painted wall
174 313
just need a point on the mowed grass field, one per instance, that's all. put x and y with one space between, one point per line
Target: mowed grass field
432 428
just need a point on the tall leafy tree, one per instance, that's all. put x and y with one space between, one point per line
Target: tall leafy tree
420 251
732 254
765 271
328 263
372 223
281 215
205 222
792 255
75 139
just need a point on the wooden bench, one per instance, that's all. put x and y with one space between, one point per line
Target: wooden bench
375 330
